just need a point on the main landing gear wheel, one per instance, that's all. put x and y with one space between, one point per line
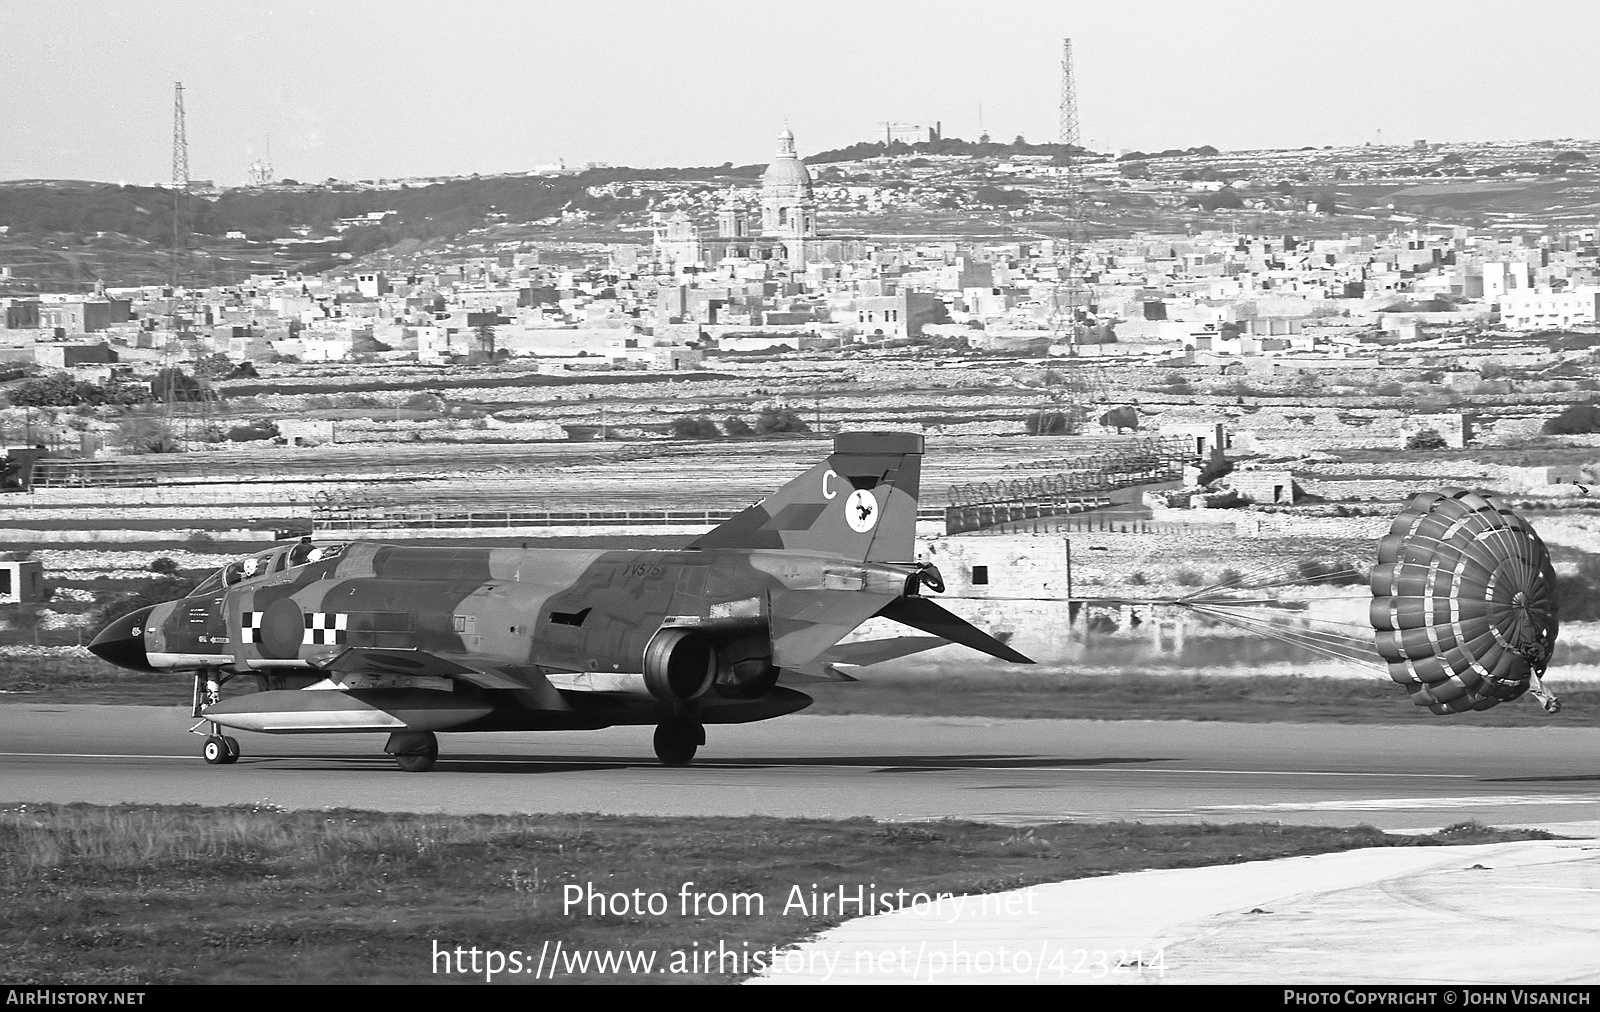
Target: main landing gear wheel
415 751
220 751
677 741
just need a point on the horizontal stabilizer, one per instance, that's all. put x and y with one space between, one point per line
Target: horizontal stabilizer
921 613
864 652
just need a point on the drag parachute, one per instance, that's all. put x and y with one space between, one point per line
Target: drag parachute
1464 603
1459 606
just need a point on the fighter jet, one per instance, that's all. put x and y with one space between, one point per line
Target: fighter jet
363 637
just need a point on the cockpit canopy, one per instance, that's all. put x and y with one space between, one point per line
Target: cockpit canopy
279 560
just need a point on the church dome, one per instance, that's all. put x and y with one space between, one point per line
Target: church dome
787 175
786 172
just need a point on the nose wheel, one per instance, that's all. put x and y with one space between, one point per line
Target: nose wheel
220 750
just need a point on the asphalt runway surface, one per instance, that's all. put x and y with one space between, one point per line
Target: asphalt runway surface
899 768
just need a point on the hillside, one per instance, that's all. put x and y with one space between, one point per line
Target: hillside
67 233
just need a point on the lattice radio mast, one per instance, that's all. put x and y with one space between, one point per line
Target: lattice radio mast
1072 161
180 185
180 249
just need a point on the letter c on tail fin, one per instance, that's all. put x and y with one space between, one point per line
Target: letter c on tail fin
876 522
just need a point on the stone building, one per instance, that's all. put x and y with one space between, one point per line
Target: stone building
788 209
785 234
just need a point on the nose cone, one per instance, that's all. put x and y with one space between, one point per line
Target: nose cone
122 642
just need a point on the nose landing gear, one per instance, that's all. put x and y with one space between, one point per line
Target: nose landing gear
220 750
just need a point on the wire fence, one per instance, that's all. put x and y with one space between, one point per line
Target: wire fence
1082 482
1154 460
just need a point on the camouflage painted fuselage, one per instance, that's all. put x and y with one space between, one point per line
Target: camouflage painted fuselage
426 639
549 637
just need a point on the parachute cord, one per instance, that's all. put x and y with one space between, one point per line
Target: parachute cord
1280 603
1327 645
1299 620
1332 645
1219 591
1274 570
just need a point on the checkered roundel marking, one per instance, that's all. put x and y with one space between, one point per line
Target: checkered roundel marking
326 627
250 627
321 628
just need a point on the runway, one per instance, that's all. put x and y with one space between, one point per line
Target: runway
900 768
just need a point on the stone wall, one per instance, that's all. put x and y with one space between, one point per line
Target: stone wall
1279 525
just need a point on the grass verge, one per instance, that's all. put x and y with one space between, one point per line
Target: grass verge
64 678
1177 696
230 895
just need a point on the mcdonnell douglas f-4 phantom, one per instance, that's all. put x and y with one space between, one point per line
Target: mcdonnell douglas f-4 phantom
377 637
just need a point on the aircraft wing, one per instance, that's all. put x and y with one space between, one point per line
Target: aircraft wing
482 672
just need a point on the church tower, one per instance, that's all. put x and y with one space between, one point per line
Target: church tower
733 221
677 242
788 210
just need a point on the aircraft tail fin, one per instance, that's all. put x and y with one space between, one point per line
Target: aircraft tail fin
860 503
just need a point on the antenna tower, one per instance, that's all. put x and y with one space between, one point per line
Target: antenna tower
180 252
180 185
1072 177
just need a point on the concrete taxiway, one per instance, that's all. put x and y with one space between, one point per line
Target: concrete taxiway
904 768
1508 913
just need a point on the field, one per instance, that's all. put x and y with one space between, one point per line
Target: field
71 261
194 895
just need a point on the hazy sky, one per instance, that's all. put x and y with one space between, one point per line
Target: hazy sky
357 89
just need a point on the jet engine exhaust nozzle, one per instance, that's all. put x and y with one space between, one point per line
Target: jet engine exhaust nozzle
679 665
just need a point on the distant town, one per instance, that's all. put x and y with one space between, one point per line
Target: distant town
806 264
